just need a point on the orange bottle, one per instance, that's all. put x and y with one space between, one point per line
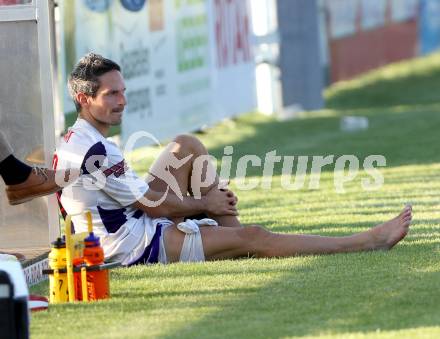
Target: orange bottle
77 279
97 280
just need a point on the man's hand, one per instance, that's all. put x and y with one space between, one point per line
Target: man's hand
221 202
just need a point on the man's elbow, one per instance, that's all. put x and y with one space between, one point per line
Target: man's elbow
153 211
152 205
157 212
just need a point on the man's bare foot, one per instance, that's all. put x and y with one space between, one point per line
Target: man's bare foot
388 234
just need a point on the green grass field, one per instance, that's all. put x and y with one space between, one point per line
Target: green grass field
393 294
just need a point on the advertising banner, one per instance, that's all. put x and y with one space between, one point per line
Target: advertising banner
186 63
233 61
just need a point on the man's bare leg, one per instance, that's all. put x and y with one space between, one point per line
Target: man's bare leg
184 146
229 243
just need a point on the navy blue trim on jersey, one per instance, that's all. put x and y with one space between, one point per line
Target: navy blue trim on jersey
151 253
138 214
99 153
112 219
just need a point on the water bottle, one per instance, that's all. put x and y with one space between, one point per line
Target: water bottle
97 280
58 281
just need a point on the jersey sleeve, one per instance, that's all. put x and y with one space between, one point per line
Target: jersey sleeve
121 182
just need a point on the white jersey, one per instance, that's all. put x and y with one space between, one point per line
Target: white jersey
108 188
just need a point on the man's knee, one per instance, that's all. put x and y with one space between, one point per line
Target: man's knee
257 240
188 143
253 233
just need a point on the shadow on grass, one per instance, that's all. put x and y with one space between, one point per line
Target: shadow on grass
336 295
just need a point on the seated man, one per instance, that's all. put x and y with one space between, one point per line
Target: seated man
142 223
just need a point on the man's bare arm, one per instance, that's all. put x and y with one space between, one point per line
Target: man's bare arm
216 202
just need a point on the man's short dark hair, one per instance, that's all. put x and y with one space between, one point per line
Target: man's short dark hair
84 77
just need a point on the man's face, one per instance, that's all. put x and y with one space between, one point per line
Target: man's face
107 106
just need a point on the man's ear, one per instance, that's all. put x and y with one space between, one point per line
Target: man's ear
82 99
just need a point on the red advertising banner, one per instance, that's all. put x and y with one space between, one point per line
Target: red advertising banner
232 27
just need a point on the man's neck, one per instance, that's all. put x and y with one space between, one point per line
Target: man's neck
99 126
